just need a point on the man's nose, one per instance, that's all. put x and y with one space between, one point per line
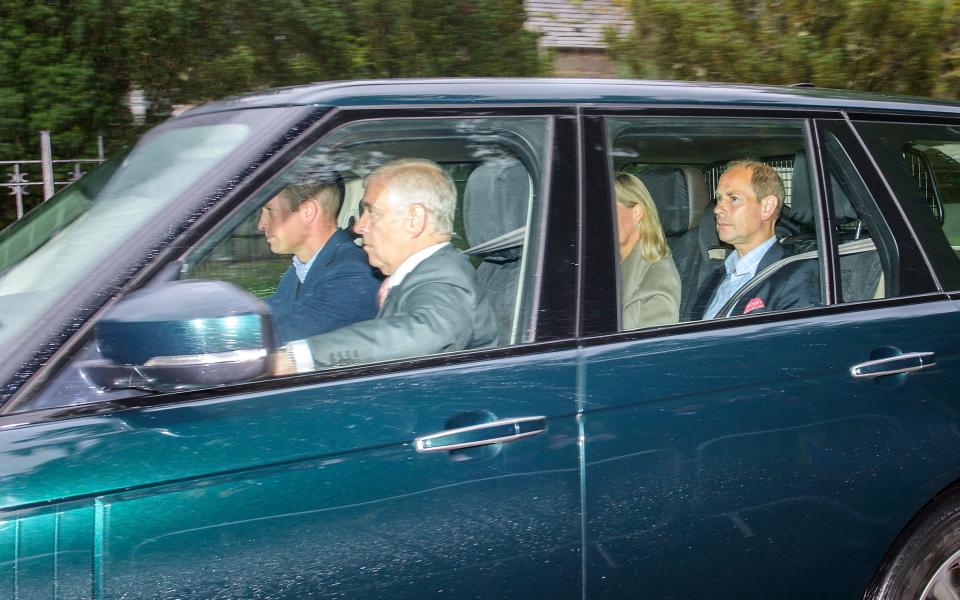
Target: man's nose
360 226
261 223
719 207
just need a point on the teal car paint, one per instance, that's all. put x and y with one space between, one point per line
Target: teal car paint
147 450
228 496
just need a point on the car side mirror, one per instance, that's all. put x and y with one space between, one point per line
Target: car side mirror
182 335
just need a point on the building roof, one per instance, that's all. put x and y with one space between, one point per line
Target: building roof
576 23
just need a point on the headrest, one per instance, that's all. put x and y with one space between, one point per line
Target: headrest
495 200
843 210
707 232
802 210
680 194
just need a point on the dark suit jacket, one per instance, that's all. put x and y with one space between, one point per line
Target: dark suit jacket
340 289
438 307
795 285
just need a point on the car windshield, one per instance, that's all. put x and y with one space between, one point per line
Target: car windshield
46 254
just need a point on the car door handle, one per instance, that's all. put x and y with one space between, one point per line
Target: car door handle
503 431
904 363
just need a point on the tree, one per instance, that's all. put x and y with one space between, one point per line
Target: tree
69 66
871 45
59 71
430 38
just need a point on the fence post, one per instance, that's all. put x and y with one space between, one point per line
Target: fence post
100 147
18 189
46 164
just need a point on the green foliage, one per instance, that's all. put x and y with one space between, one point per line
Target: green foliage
69 65
430 38
188 51
57 73
872 45
949 72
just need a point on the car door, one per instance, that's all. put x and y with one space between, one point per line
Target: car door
741 456
314 485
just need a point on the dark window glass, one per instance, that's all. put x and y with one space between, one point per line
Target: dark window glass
865 273
490 265
921 164
677 244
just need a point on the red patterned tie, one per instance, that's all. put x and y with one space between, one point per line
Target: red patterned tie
383 291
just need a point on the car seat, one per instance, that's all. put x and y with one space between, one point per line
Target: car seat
861 273
496 202
680 194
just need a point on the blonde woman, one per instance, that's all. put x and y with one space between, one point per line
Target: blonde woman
649 281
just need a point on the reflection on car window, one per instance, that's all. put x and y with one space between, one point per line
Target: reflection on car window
47 253
495 166
867 261
437 258
922 165
471 293
679 248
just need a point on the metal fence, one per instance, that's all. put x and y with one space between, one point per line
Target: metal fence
53 174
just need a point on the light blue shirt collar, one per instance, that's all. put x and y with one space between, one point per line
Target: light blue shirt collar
748 263
302 268
740 270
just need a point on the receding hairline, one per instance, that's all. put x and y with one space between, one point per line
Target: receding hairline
753 167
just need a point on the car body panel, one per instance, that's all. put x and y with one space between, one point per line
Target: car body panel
245 493
710 457
732 458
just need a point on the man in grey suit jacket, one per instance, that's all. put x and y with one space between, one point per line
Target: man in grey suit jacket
430 301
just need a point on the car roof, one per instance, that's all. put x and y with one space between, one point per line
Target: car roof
432 92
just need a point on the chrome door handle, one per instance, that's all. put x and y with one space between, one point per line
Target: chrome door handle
503 431
905 363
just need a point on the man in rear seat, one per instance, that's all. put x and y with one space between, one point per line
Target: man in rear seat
750 197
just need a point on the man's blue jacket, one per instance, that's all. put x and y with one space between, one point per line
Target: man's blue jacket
340 289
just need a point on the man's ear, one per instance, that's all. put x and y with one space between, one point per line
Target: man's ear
416 219
309 209
768 208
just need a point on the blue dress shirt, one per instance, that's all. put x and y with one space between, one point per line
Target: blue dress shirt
740 270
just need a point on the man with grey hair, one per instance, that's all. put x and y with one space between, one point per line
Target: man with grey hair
430 301
330 283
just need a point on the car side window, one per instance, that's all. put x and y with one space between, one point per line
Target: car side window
862 242
688 208
470 186
921 164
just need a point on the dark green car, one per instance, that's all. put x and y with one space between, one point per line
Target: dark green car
804 451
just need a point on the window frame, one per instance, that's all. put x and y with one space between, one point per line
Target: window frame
554 283
600 322
946 281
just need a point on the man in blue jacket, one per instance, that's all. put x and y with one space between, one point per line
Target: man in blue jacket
330 283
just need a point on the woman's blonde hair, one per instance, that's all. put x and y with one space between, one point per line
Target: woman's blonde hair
630 191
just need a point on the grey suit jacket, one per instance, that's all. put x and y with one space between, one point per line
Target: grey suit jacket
649 291
438 307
